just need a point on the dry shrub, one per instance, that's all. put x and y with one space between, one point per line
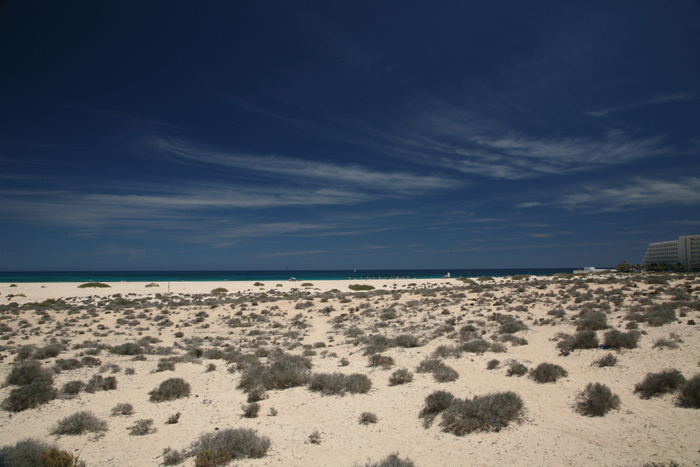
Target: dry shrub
170 389
380 360
596 400
592 321
232 443
400 376
516 369
615 339
445 374
99 383
73 388
251 410
338 383
658 315
580 340
367 418
607 360
122 409
142 427
548 373
28 373
79 423
392 460
689 393
491 412
406 341
287 371
658 384
29 396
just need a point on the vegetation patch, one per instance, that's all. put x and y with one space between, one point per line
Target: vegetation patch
548 373
170 389
338 383
29 396
392 460
580 340
96 285
360 287
218 291
658 384
286 371
596 400
400 376
615 339
606 360
79 423
491 412
367 418
689 393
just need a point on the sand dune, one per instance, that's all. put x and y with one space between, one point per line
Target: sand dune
334 327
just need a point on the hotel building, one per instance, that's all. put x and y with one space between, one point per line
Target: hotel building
685 250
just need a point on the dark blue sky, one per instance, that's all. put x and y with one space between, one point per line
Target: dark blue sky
340 135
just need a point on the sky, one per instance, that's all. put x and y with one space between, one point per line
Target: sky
270 135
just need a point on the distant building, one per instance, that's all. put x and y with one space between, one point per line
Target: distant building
685 250
592 269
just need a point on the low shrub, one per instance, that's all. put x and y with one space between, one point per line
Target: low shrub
400 376
360 287
492 364
476 346
615 339
592 321
251 410
257 394
512 327
72 388
57 458
516 369
406 341
367 418
90 361
29 396
122 409
580 340
657 384
236 443
596 400
79 423
286 371
338 383
429 365
67 365
219 290
170 389
380 360
548 373
35 453
607 360
100 383
95 285
392 460
28 373
666 344
658 315
128 348
491 412
689 393
165 365
142 427
436 402
445 374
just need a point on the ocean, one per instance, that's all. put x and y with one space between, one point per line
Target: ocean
309 275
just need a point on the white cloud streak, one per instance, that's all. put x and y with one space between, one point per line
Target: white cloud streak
660 99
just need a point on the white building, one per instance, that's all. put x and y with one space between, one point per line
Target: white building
685 250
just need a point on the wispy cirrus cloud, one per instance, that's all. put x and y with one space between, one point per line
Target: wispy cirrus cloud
655 100
294 169
634 194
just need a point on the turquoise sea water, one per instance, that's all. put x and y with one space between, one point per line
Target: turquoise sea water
174 276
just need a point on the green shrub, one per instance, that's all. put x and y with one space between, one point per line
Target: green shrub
152 284
57 458
380 360
607 360
491 412
29 396
548 373
360 287
406 341
596 400
79 423
95 285
615 339
219 291
592 321
367 418
338 383
142 427
73 387
170 389
122 409
251 410
445 374
580 340
28 373
516 369
657 384
99 383
237 443
392 460
689 393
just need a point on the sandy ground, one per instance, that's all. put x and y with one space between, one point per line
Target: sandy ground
298 320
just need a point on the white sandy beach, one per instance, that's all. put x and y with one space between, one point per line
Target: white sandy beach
298 320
